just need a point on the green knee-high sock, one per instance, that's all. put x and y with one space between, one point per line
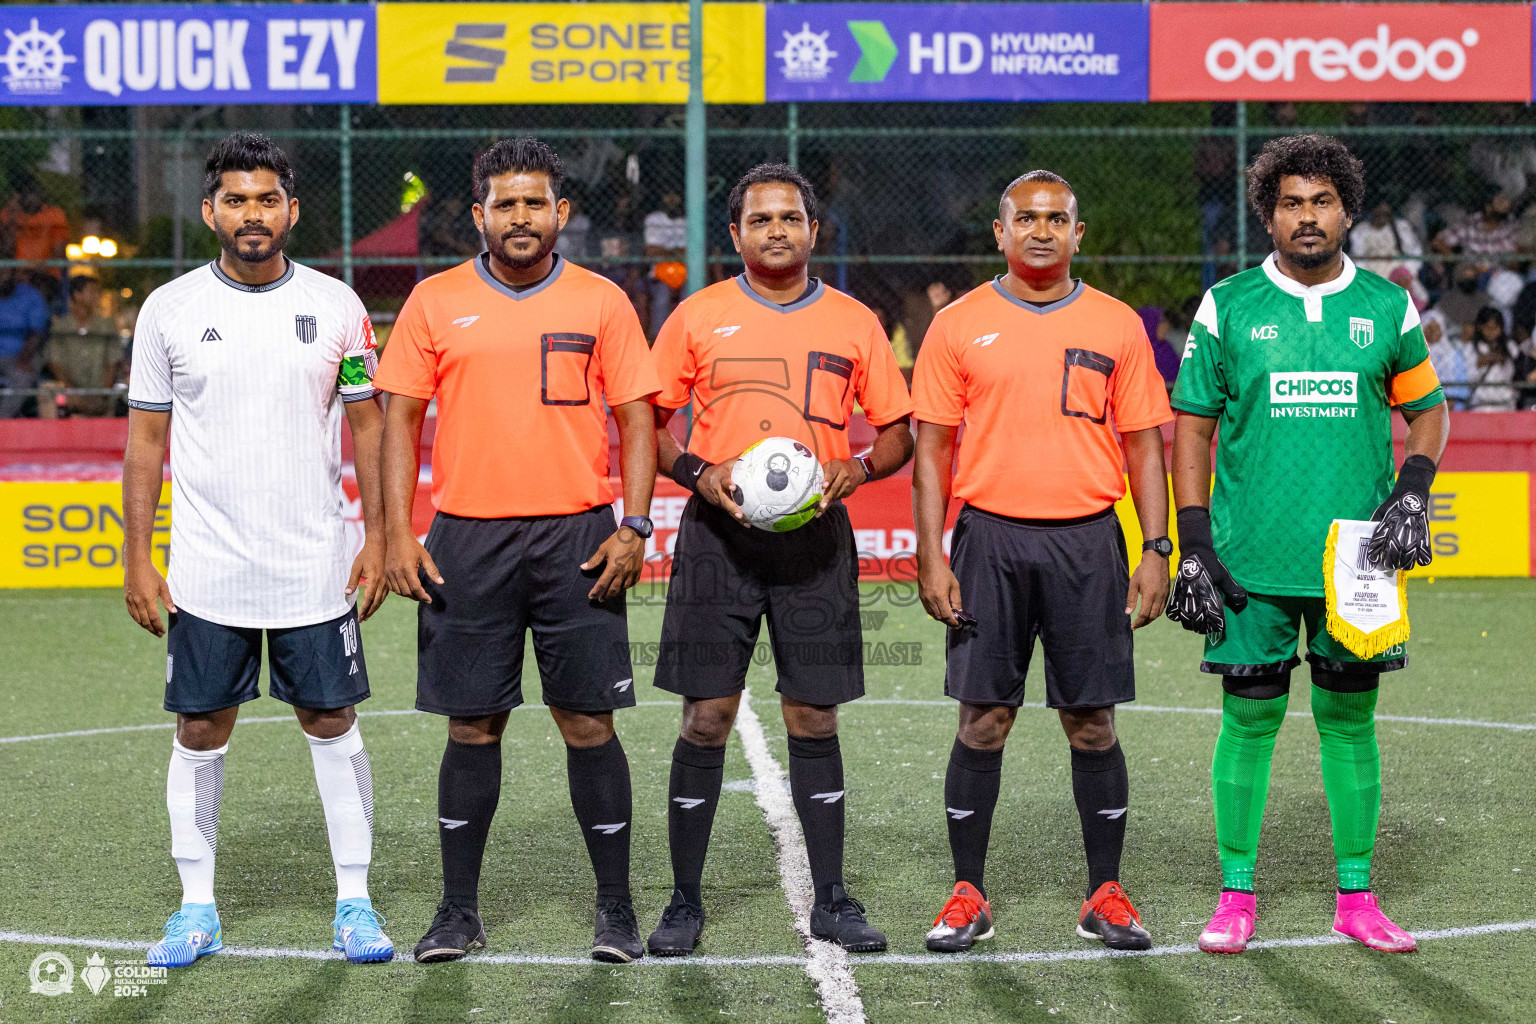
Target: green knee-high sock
1240 781
1346 727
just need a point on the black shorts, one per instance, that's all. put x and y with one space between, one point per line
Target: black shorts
209 667
502 577
1065 583
725 578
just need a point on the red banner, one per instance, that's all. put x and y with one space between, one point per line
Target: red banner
1261 51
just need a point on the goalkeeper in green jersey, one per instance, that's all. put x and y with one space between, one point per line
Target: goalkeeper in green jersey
1300 361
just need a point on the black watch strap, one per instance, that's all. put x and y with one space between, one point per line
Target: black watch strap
640 524
1162 545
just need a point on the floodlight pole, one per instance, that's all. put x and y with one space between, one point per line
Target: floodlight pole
698 275
1240 222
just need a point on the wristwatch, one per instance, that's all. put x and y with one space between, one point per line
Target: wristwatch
1162 545
640 524
869 471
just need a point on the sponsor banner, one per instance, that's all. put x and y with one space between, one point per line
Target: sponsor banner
70 534
565 53
1386 51
951 52
130 54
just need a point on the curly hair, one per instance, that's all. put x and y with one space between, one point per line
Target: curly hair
516 156
1314 157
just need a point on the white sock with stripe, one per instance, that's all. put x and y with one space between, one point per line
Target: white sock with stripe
346 790
194 788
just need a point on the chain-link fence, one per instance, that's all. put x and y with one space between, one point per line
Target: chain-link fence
908 194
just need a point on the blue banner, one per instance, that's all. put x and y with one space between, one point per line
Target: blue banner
109 55
952 52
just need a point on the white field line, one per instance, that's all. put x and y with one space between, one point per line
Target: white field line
1406 719
1409 719
827 964
876 960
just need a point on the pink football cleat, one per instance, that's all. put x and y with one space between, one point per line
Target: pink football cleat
1232 925
1359 918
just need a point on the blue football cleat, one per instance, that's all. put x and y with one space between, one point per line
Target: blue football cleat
358 931
191 932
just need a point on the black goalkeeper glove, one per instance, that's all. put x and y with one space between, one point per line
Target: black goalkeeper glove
1202 582
1402 539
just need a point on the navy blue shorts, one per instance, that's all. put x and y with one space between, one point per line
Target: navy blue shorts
209 667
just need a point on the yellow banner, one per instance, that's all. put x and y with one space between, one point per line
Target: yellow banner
69 534
1479 525
566 53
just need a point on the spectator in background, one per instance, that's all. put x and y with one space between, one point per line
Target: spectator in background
1493 231
666 240
1449 356
1410 284
1495 367
919 307
1503 287
573 240
1156 323
447 228
1525 367
84 351
40 232
23 327
901 342
1384 242
1460 302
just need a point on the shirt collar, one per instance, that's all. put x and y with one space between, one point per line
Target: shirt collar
816 290
482 267
218 272
1302 291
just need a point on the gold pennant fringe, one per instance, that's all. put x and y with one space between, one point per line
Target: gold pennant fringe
1357 642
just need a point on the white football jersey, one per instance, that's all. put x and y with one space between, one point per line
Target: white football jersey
254 379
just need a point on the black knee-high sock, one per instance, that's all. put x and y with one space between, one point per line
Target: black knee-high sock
1102 789
816 783
600 795
468 789
970 797
692 797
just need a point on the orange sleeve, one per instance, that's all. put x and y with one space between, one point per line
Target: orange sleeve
1138 396
674 361
622 355
938 386
409 365
882 390
1412 385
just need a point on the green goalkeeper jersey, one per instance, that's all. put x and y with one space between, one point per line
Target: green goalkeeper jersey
1302 381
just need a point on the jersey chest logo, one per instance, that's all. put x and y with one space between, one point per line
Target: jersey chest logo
1362 331
304 326
211 335
1269 332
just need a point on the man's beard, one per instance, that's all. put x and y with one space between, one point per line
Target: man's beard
1316 258
231 245
511 261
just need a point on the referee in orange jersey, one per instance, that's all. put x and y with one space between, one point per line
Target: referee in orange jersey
522 350
1059 392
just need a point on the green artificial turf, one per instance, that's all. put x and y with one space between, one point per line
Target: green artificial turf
84 850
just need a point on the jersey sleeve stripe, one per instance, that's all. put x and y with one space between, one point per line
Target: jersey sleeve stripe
358 396
1205 316
1185 405
1410 316
1412 385
135 403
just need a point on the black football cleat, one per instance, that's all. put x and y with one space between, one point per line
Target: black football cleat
615 934
681 927
842 921
965 920
1108 916
455 930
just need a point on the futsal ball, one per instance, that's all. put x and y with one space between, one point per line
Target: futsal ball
778 483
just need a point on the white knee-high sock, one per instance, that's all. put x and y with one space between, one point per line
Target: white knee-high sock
346 789
194 788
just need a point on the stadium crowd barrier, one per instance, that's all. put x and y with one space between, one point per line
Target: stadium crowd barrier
61 518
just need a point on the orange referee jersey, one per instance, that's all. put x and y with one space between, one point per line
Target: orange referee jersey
1043 393
520 380
757 369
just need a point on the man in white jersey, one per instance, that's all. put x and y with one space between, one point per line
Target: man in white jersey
255 358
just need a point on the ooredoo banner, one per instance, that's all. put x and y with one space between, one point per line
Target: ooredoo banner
1429 52
164 54
949 52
